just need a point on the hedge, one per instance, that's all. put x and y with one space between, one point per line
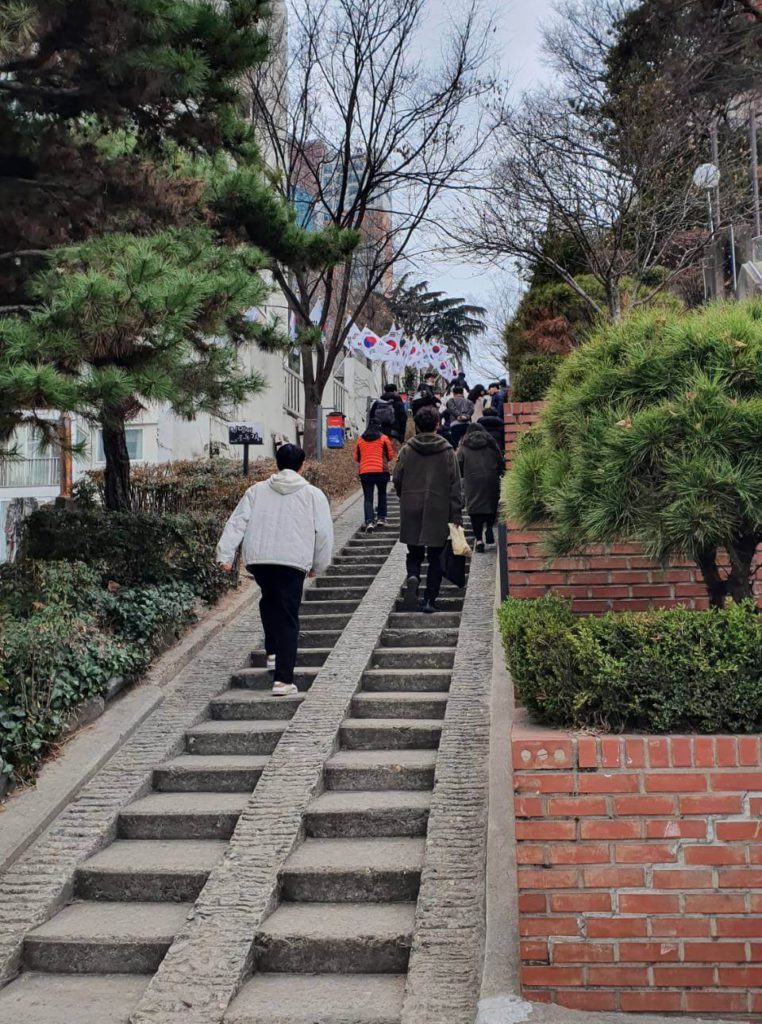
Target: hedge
63 637
671 670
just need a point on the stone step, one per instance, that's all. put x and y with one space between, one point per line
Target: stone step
253 704
305 658
168 871
345 575
408 680
189 773
321 998
181 816
353 871
336 597
422 620
360 560
390 734
420 657
445 603
261 679
324 621
248 736
336 938
423 704
336 814
381 769
105 938
330 607
36 998
429 637
319 638
375 546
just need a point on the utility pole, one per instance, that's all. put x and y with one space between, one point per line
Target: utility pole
64 440
754 167
717 241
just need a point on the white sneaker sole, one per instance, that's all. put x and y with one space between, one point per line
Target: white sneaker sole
285 690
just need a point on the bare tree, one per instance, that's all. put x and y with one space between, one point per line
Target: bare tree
371 138
564 166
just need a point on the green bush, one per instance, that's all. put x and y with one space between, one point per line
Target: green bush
671 670
63 637
533 378
132 548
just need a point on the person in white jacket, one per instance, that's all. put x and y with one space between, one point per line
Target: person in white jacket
284 525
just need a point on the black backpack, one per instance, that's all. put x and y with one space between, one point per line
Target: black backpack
383 414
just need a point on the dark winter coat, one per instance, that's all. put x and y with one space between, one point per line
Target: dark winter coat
400 415
495 427
427 480
481 465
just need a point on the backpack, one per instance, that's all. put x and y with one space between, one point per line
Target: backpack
383 414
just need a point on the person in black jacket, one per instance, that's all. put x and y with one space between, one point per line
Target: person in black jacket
495 427
389 413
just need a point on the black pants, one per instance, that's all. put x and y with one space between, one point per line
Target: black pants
457 430
369 483
434 576
281 588
481 521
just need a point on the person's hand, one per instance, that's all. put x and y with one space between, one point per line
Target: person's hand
227 566
311 574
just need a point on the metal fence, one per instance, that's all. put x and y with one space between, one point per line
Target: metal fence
340 397
293 392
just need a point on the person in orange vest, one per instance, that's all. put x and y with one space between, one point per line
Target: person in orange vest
374 455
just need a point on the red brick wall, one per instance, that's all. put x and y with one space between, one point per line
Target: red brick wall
617 578
640 871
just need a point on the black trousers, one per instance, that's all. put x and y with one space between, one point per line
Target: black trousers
481 521
415 557
369 483
282 589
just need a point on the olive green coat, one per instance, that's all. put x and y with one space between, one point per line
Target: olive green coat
427 480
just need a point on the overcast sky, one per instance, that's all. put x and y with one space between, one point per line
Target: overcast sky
519 26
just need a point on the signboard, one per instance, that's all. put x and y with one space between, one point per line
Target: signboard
246 433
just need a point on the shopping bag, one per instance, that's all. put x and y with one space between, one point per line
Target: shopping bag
458 540
453 566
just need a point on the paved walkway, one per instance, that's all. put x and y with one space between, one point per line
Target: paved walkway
256 860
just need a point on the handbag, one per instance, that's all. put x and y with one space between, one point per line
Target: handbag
453 566
458 540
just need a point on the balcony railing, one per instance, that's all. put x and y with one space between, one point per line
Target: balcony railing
30 472
293 392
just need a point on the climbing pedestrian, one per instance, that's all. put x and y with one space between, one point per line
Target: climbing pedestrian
284 526
494 425
427 480
374 455
425 395
389 413
476 395
481 464
460 410
500 395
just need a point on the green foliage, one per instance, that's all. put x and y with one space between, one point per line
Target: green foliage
663 671
433 316
533 378
63 638
132 549
653 433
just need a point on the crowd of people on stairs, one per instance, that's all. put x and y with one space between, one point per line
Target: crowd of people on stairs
443 455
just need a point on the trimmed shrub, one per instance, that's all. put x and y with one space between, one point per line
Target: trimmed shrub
132 548
669 670
533 378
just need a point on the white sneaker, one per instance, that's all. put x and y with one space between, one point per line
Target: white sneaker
285 689
270 662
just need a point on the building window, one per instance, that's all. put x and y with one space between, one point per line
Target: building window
134 438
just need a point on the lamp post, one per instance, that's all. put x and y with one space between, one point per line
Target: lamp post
707 177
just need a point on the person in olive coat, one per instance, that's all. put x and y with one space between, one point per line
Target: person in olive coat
427 480
481 463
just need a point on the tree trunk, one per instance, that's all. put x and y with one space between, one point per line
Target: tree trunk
737 584
117 482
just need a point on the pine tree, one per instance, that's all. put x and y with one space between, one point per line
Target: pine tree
434 316
120 123
652 433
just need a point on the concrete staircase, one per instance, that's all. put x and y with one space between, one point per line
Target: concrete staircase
336 949
131 898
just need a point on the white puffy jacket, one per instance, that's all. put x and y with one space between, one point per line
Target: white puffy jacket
281 521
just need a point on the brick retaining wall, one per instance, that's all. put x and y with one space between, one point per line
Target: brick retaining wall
616 578
640 871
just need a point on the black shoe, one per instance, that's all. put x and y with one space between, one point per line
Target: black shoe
490 536
480 546
429 607
410 594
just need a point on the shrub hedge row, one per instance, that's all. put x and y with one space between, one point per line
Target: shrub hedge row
671 670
